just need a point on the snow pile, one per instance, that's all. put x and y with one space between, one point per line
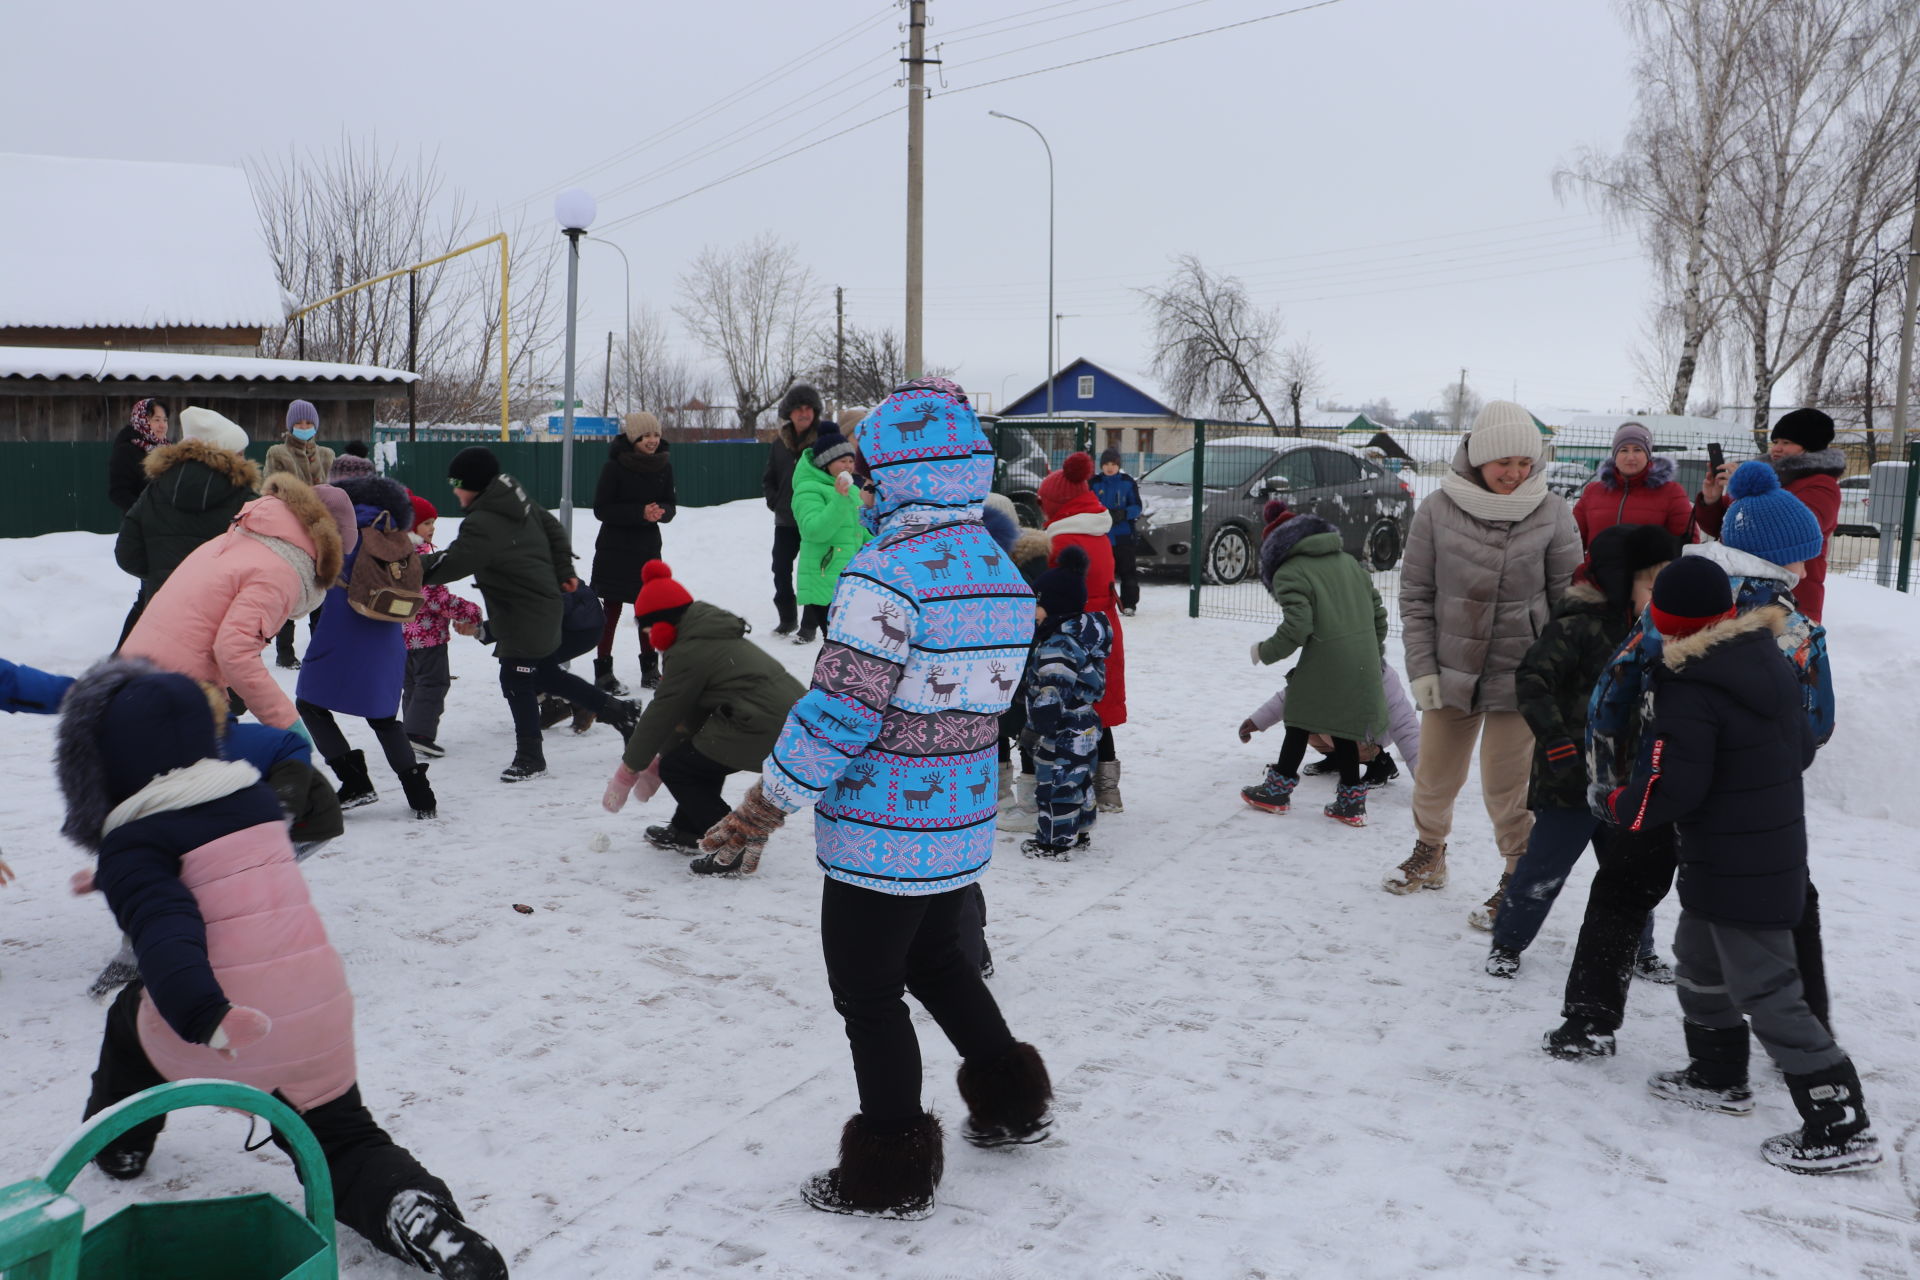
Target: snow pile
1265 1066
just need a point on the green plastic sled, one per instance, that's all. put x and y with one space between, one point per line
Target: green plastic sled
252 1237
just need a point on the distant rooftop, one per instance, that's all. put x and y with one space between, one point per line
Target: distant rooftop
53 363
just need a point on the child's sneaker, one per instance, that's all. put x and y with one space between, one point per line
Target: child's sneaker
1324 767
672 839
1349 806
426 747
1274 795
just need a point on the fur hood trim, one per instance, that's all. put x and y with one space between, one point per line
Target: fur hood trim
77 762
1282 542
306 506
234 466
1031 544
1678 653
379 494
1584 593
1825 462
1659 471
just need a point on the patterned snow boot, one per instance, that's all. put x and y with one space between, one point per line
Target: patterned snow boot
1349 806
1483 916
1716 1077
1009 1099
1274 795
884 1171
1425 868
1835 1137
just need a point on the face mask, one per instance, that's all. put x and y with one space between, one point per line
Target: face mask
304 433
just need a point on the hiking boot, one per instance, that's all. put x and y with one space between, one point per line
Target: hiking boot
286 659
1835 1137
419 792
1483 916
884 1172
1106 787
1349 806
1578 1038
1274 795
1425 868
1380 771
1651 968
604 680
1502 962
524 768
356 788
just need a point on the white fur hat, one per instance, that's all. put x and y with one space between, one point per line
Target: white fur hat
212 428
1503 430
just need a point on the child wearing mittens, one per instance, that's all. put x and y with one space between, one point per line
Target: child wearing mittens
238 980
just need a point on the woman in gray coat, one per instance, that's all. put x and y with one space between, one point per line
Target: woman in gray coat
1488 557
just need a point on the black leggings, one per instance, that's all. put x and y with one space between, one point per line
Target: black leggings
367 1167
1345 757
1103 754
332 743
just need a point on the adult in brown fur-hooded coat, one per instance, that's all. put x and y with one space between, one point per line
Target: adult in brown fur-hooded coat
228 599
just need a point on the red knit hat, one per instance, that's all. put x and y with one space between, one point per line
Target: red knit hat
423 511
1065 492
659 594
1274 514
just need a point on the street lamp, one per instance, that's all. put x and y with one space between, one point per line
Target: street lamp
1001 115
573 209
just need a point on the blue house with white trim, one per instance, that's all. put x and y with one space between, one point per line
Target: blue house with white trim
1132 413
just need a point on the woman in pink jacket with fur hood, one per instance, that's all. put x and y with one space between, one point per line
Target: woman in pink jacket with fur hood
237 978
230 597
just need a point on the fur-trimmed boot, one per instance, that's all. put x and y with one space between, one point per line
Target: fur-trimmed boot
1715 1078
1009 1099
884 1171
356 788
1835 1137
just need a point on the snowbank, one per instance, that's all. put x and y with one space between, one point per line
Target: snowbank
1868 768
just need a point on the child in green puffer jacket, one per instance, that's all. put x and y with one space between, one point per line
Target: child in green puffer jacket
826 507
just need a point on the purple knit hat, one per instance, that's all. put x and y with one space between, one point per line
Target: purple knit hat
340 507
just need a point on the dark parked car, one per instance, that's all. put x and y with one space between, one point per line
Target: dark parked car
1370 506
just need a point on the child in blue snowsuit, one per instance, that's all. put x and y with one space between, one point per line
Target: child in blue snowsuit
1065 677
1119 494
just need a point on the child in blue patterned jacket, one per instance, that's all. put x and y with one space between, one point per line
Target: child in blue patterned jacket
1065 677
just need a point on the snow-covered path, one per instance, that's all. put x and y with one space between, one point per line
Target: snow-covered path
1265 1066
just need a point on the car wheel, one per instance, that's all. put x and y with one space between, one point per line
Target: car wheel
1383 545
1229 557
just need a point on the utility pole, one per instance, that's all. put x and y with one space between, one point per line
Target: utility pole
1460 403
1903 392
916 61
840 350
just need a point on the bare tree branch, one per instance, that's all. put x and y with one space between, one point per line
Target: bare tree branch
1212 349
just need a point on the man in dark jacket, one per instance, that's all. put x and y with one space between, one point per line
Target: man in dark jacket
800 412
721 705
1730 742
1119 494
518 555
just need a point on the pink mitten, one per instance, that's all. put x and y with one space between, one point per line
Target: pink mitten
82 883
241 1028
615 798
648 782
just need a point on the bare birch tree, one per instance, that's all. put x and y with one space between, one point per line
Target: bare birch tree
1212 348
755 309
1460 404
1300 377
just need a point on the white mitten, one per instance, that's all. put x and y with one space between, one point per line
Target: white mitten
1426 693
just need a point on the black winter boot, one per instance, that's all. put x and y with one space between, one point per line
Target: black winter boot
419 792
622 716
1380 771
1578 1038
356 788
883 1172
430 1233
1835 1138
1716 1078
553 710
1009 1099
604 680
789 620
529 761
649 669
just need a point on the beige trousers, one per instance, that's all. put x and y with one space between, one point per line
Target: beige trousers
1506 764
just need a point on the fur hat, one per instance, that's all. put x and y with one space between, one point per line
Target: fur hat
423 511
302 411
801 394
1766 521
1061 490
212 428
1632 433
1690 595
474 468
661 604
348 466
829 445
1503 430
123 724
639 423
1621 551
1811 429
1062 590
340 507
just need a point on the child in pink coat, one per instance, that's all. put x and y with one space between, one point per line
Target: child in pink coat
237 978
424 695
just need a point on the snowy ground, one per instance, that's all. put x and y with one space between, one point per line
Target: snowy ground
1265 1066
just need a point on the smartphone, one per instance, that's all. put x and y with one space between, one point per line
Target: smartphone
1715 457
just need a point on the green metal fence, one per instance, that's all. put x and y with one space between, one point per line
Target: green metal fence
56 487
1024 452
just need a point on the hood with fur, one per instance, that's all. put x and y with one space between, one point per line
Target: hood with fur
1823 462
195 476
372 495
86 766
1285 539
1660 470
296 511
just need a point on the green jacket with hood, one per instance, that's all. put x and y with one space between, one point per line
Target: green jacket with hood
517 554
719 689
830 531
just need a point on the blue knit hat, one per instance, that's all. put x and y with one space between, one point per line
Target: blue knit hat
1767 522
829 446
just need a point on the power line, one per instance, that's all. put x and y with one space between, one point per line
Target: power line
957 38
1079 35
1010 17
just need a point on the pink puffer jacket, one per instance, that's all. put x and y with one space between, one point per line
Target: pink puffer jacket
230 597
269 950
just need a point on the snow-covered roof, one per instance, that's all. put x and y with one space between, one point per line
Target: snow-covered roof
131 244
165 366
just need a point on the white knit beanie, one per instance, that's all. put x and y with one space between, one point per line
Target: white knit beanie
1503 430
212 428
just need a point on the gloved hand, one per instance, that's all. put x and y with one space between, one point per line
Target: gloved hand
1426 693
299 726
81 883
241 1028
734 844
641 783
1254 652
1562 754
1247 729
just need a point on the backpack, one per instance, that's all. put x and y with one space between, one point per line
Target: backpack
387 578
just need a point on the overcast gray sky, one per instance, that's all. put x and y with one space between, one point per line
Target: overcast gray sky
1379 169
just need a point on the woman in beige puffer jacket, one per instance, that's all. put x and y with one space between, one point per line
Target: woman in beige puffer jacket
1487 558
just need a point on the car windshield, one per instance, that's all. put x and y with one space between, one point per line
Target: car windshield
1227 466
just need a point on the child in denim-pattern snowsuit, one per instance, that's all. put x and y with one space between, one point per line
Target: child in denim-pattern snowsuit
1066 676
